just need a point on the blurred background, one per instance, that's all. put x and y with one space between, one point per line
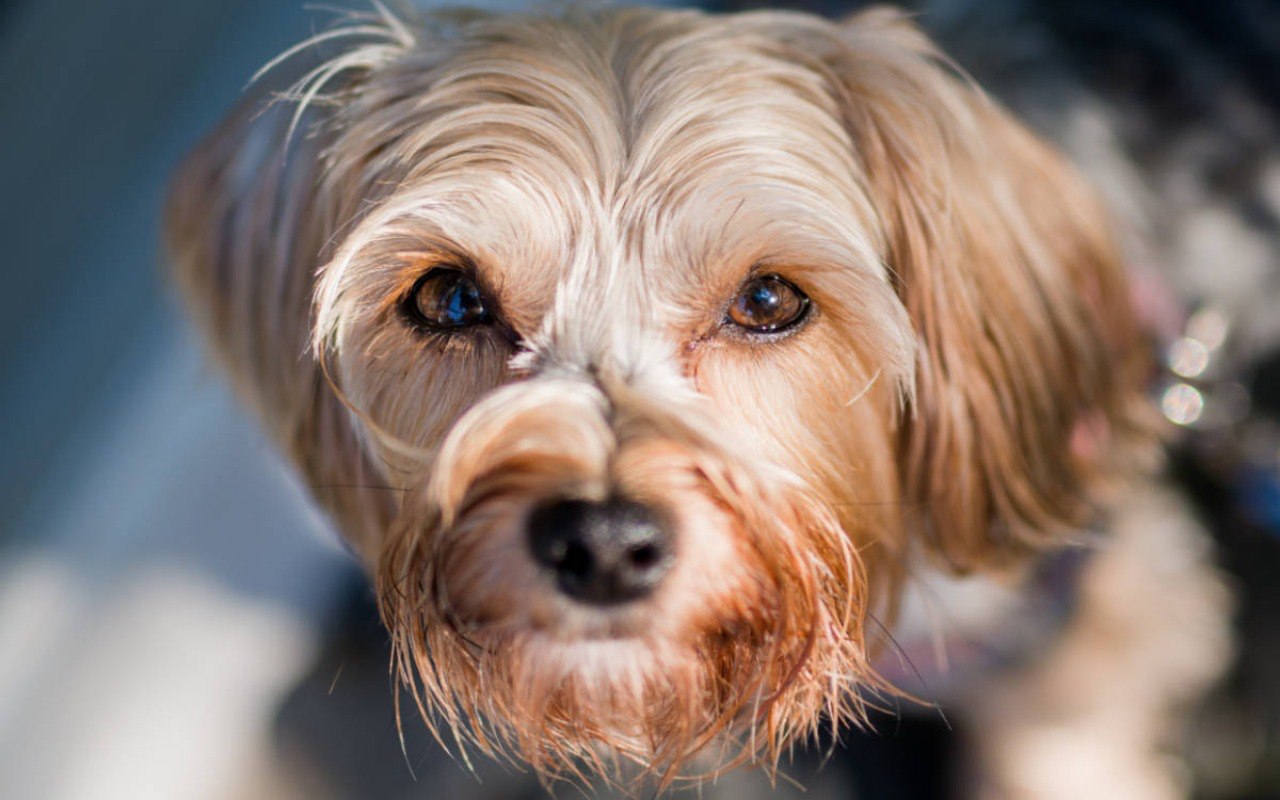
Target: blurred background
177 622
162 580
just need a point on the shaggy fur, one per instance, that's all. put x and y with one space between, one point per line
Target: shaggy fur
966 396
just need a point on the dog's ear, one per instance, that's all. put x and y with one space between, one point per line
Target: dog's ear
249 221
1028 395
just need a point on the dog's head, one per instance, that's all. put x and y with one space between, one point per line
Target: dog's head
636 352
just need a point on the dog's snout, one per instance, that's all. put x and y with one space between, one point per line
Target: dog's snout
600 553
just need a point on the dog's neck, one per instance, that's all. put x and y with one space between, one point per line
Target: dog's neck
952 629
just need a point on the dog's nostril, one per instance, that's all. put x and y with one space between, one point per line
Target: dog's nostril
600 553
574 559
644 556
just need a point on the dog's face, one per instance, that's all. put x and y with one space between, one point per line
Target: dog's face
647 348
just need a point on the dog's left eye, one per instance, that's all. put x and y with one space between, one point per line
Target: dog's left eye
447 299
768 304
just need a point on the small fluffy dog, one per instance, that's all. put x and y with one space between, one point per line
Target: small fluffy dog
677 375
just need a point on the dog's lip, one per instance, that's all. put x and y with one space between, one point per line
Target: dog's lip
564 620
575 622
591 636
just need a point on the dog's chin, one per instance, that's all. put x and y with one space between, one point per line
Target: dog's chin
657 686
598 693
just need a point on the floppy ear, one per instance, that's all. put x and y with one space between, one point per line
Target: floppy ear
249 221
1030 371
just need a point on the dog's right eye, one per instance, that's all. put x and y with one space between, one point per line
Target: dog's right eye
768 304
446 299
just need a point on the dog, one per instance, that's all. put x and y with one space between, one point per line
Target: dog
691 384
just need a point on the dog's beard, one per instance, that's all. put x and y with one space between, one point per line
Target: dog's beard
753 638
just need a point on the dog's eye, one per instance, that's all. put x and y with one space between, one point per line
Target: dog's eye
447 299
768 304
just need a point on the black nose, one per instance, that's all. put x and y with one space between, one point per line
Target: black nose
600 553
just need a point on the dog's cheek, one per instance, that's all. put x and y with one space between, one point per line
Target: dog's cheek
487 578
815 404
409 390
714 584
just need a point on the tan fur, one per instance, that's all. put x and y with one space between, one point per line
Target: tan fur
613 177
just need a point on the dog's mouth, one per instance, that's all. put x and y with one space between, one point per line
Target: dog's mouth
555 621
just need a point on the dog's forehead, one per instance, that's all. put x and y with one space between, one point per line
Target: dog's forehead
656 156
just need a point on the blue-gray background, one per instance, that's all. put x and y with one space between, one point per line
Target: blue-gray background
160 579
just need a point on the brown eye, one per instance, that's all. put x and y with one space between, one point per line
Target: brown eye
446 299
768 304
